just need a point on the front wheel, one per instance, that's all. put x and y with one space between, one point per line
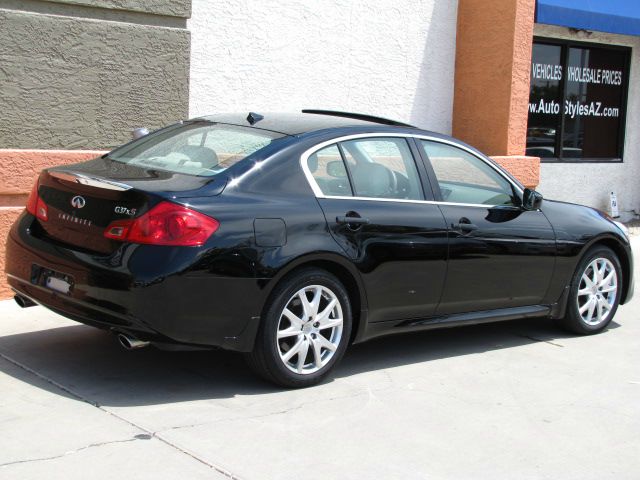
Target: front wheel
305 330
595 292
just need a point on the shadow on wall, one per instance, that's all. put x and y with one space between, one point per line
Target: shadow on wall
97 369
428 97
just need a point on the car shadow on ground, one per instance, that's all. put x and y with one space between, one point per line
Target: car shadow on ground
89 364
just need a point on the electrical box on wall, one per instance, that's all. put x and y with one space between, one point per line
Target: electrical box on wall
613 205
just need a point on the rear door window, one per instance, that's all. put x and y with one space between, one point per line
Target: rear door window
329 172
382 167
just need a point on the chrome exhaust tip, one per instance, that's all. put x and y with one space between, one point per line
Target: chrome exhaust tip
131 343
24 302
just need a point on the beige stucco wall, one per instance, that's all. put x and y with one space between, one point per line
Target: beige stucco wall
80 76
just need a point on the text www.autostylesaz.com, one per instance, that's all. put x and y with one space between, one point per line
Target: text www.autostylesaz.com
573 109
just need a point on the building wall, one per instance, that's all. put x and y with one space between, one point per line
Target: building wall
493 61
587 183
80 74
391 58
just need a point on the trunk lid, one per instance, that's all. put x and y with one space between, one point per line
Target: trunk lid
83 199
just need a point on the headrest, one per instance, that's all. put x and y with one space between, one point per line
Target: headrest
204 155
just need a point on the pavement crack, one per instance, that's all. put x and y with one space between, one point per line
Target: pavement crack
70 452
150 433
266 415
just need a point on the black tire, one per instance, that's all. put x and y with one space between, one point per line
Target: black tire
573 320
265 359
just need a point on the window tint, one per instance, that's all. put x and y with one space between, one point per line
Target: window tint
382 168
464 178
577 101
329 172
194 148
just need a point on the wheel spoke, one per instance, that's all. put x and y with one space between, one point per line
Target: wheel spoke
330 323
584 291
601 271
315 302
324 315
293 350
608 280
599 310
604 305
306 306
292 317
592 306
302 354
585 306
317 352
594 272
611 288
324 343
289 332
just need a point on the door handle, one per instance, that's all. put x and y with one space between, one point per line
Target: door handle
464 227
353 220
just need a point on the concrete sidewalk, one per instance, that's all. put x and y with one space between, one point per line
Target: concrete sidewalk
508 400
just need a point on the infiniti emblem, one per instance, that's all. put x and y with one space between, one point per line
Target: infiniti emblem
78 201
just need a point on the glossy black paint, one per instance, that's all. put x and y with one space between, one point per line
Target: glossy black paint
410 266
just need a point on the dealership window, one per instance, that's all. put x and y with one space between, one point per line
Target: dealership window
577 101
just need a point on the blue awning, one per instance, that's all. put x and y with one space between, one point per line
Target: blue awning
613 16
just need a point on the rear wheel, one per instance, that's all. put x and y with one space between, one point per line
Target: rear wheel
595 292
305 330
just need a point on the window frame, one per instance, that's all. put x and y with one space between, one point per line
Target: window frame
425 171
565 45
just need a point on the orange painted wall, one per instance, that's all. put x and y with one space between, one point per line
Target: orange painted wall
20 168
493 61
525 169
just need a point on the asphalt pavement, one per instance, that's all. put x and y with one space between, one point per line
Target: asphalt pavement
508 400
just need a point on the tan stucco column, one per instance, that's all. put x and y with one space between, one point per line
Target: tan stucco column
493 63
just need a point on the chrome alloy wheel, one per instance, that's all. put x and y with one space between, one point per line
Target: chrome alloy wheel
309 329
597 291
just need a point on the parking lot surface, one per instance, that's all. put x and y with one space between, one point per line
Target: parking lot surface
508 400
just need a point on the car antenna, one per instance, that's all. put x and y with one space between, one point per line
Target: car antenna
254 118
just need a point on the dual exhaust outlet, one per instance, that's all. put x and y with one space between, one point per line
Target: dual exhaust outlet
129 342
24 302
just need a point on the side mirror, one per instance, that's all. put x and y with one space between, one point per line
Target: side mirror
531 200
336 169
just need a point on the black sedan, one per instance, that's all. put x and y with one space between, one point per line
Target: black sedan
290 236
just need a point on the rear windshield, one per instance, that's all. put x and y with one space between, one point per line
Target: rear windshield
200 148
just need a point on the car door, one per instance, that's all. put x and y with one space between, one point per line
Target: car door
500 255
371 192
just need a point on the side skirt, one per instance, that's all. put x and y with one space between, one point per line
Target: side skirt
378 329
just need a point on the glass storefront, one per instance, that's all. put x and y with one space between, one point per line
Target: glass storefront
577 101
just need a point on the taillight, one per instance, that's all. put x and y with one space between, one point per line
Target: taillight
165 224
36 206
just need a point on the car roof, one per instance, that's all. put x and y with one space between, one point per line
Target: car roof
306 121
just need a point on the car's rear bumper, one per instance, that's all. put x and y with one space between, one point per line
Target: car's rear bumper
156 293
